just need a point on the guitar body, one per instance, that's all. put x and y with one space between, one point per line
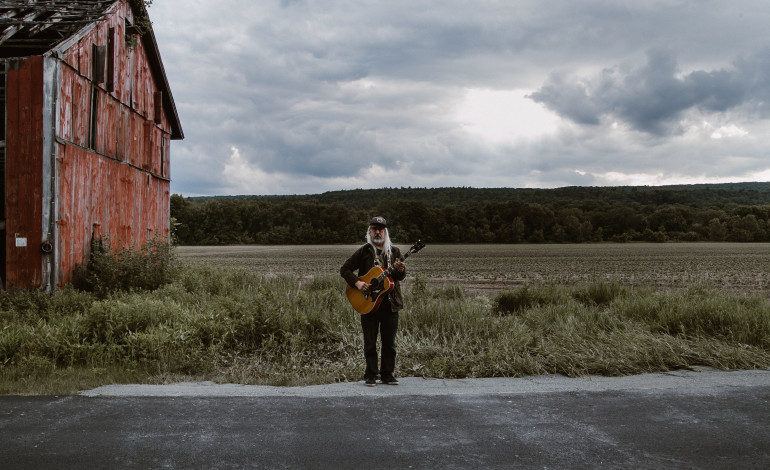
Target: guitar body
380 283
363 303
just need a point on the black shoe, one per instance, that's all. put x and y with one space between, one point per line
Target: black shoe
389 380
370 382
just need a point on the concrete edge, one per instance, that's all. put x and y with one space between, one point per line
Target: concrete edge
697 381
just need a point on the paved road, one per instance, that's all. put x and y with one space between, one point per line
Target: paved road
704 419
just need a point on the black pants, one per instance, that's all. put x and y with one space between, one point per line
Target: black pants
385 322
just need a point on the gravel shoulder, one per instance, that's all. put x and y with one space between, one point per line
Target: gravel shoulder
686 381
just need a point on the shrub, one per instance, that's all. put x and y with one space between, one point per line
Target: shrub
113 267
598 294
451 292
508 302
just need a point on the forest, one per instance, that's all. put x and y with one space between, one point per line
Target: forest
734 212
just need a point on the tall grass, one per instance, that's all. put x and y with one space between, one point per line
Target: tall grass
230 325
112 266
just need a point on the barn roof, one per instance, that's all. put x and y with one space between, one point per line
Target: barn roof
35 27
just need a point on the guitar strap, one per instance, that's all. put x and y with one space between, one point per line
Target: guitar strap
387 265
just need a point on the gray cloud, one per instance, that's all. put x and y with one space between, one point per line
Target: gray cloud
307 96
652 98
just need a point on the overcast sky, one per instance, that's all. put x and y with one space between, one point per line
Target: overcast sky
302 97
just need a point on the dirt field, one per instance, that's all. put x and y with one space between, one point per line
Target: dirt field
489 268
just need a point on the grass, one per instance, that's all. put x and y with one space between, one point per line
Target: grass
231 325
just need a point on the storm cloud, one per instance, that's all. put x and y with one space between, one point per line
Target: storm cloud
298 97
653 97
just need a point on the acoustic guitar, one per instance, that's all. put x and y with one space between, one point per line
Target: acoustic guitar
380 284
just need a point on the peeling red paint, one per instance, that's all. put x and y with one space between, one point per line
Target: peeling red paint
110 176
24 126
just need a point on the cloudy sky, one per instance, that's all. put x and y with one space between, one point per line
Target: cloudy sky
303 96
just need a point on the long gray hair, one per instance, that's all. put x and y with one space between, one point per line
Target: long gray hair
386 247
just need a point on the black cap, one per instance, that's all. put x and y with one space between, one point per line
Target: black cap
379 221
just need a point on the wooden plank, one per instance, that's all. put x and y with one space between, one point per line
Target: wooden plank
64 126
72 58
148 147
108 126
123 133
166 173
80 110
24 169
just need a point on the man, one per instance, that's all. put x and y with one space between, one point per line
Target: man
378 251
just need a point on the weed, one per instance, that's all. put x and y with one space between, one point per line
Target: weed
601 293
114 267
516 301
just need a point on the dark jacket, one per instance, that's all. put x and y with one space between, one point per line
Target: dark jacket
362 261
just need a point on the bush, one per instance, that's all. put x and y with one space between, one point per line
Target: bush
113 267
507 302
598 294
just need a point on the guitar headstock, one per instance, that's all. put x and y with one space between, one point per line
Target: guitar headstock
419 245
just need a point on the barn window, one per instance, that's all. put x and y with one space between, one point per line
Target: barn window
158 107
132 34
99 58
131 42
92 118
163 155
99 55
111 60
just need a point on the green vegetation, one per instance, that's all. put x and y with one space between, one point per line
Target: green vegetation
725 212
230 325
113 267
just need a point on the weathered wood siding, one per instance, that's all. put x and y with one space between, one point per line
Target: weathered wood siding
24 172
119 186
105 198
106 168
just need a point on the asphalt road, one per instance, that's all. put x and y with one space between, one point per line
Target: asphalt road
705 419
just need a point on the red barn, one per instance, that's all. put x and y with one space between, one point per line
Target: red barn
87 118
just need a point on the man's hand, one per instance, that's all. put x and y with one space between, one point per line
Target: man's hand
362 286
399 265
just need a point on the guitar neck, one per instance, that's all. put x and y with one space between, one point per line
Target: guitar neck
389 271
414 249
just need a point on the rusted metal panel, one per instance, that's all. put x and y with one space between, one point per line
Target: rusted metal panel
153 152
125 64
126 190
81 91
67 246
144 85
24 170
137 84
149 145
64 125
71 57
85 64
108 125
136 141
123 133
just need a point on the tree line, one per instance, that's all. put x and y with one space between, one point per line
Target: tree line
731 212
